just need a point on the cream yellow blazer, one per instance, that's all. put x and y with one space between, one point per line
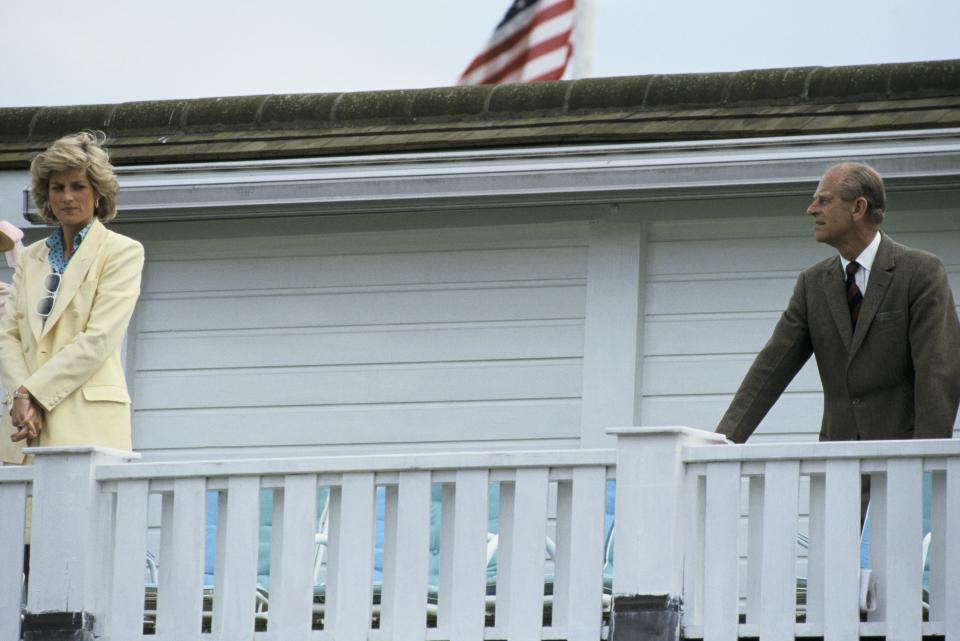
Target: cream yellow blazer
71 364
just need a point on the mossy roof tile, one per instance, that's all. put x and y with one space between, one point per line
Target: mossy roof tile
771 102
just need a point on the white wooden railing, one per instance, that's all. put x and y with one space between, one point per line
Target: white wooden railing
814 489
717 525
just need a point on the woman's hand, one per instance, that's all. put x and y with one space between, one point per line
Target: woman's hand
27 418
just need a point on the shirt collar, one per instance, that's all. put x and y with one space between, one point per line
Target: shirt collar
865 259
55 247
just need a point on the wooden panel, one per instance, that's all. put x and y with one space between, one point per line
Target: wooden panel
904 568
392 423
378 336
445 588
353 588
754 560
578 587
842 552
779 575
13 498
180 593
491 303
817 547
708 333
877 518
507 526
235 584
359 345
129 553
702 256
695 546
407 577
699 375
292 549
465 265
951 533
527 557
795 417
469 557
613 337
359 385
720 580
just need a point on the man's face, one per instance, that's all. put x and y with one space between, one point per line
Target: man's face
832 216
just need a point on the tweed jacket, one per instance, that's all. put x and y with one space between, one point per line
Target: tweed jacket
71 363
897 376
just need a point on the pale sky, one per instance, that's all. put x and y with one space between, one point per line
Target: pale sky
55 52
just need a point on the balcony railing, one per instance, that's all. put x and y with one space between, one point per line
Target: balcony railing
471 546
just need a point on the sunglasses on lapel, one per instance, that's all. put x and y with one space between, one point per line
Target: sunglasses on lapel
51 283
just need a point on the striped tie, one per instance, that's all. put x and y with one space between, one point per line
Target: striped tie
854 297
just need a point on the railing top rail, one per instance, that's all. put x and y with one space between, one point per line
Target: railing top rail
922 448
378 463
16 473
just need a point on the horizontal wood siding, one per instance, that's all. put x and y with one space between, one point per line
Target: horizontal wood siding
471 335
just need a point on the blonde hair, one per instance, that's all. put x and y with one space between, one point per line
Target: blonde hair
85 151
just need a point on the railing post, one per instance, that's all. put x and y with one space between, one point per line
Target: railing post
649 531
61 598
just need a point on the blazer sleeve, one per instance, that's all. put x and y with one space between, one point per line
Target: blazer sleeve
775 366
935 349
13 366
118 288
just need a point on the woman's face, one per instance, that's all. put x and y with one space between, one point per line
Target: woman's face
72 198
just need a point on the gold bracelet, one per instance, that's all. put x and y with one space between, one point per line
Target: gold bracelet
18 395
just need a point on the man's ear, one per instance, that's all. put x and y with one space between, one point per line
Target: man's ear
859 208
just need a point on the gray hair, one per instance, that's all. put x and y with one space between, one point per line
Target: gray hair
863 181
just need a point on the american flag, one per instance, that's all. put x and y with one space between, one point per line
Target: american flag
531 43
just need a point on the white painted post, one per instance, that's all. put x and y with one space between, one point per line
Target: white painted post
13 500
778 577
841 617
613 328
951 559
648 547
904 566
63 551
578 587
721 563
651 523
409 572
469 556
527 557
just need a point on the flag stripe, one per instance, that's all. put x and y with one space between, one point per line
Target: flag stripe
547 31
529 55
532 42
566 6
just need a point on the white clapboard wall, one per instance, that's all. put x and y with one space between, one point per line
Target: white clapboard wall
716 288
299 340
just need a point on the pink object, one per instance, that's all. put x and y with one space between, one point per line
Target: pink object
15 234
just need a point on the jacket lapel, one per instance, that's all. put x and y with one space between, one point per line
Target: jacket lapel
76 271
880 276
33 281
837 301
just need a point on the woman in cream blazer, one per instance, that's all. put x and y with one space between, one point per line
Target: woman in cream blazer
73 296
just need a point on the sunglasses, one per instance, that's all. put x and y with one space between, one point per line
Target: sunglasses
51 283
